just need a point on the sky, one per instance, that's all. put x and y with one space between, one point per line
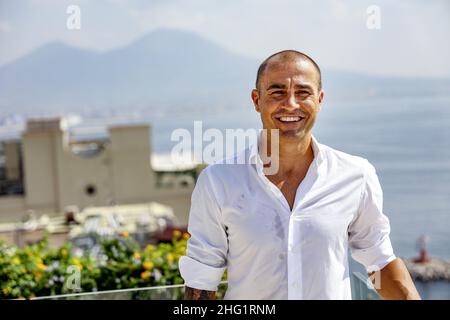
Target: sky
412 41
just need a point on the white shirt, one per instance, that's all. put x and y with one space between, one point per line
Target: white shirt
242 222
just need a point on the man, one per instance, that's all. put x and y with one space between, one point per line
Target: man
286 235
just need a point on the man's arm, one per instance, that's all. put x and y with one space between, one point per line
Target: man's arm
395 282
206 253
198 294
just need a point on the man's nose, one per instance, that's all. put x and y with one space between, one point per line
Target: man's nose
291 101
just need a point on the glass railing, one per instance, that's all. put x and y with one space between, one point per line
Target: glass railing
151 293
172 292
361 290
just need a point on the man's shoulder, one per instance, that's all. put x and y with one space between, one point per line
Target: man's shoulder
229 166
344 159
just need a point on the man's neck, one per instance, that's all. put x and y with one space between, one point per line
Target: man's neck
293 155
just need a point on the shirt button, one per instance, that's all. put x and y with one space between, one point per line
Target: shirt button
281 256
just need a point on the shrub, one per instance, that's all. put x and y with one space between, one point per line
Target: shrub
38 270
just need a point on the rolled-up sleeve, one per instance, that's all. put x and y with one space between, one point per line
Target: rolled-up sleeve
205 260
369 232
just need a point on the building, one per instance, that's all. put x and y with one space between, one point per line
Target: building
45 171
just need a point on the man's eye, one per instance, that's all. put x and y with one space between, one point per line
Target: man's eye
276 92
303 92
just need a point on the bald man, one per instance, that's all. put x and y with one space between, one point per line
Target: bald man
286 234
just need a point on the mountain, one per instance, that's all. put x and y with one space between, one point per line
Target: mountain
164 71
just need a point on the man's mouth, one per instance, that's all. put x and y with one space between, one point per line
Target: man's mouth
290 118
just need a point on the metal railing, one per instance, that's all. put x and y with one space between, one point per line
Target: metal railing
362 289
171 292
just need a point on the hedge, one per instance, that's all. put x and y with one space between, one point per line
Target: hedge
37 270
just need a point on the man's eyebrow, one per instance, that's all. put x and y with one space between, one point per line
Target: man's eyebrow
303 86
282 86
276 86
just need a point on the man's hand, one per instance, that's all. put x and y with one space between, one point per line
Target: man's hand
197 294
395 282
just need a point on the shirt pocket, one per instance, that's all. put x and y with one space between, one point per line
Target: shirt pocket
253 220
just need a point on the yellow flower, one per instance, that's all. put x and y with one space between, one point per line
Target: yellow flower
177 233
136 255
125 234
64 252
145 275
38 275
5 291
148 265
186 236
170 258
16 261
77 263
23 270
150 248
41 266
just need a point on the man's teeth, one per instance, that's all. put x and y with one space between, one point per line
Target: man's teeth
290 119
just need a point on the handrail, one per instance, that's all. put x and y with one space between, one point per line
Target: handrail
362 289
118 291
72 295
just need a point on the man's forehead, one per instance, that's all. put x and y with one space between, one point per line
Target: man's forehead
283 75
298 70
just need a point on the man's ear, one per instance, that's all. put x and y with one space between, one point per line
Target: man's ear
255 99
321 96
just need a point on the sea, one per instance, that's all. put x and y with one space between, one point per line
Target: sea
407 139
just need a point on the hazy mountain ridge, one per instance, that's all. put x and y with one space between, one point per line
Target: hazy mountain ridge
166 70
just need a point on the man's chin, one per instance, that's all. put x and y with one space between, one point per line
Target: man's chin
292 134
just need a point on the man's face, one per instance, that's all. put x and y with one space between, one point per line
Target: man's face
288 98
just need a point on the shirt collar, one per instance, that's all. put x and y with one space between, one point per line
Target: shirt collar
255 158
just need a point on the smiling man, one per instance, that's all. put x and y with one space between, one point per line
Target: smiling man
286 235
